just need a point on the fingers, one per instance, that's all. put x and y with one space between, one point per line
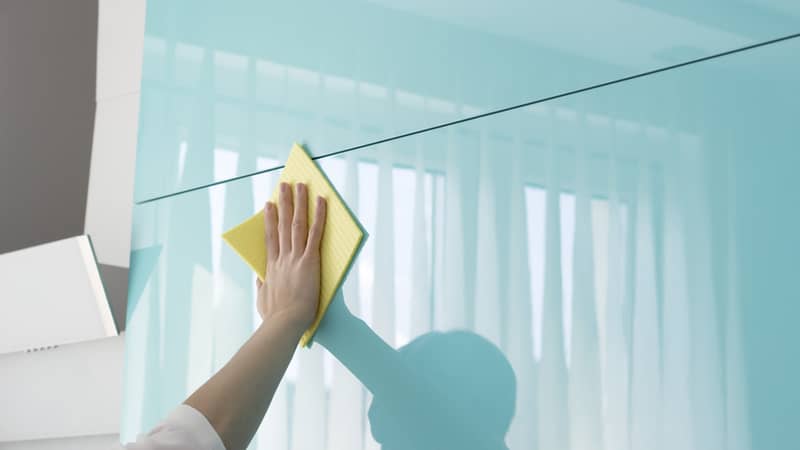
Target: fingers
258 283
271 231
285 214
300 222
315 235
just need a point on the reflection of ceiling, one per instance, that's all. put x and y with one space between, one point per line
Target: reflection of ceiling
757 19
787 7
573 28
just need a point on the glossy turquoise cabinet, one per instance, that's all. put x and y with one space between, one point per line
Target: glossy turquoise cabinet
614 269
251 75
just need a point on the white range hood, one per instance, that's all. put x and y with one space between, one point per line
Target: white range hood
52 294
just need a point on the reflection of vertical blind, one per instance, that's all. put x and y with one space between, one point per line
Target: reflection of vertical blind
655 385
450 310
487 286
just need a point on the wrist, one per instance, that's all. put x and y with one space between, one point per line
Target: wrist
284 324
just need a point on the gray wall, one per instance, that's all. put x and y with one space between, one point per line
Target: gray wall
47 93
48 62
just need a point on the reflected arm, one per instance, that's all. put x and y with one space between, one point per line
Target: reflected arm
413 410
374 362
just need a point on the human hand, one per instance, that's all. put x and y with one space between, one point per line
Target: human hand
290 292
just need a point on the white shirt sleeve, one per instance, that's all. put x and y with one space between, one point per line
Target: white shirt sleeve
184 428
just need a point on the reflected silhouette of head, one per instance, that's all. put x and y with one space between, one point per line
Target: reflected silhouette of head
463 396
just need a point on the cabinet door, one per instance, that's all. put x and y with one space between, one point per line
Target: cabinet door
251 76
613 269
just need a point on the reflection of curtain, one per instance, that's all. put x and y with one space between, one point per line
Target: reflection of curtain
273 434
646 379
188 221
706 369
737 432
584 371
552 390
274 430
519 339
421 293
616 363
383 298
450 311
677 340
621 386
345 415
234 284
487 302
309 405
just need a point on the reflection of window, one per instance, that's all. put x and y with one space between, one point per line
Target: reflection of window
535 199
535 204
404 211
405 196
263 184
181 160
225 163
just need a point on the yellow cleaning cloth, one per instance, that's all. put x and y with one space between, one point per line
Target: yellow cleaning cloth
340 240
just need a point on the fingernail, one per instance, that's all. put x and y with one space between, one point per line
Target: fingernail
300 187
284 187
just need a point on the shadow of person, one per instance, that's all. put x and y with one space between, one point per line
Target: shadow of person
441 391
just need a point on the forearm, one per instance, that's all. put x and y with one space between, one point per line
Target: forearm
236 398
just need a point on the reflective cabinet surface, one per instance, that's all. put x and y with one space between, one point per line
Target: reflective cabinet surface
610 270
250 75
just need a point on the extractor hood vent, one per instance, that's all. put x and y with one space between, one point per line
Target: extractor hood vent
52 294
